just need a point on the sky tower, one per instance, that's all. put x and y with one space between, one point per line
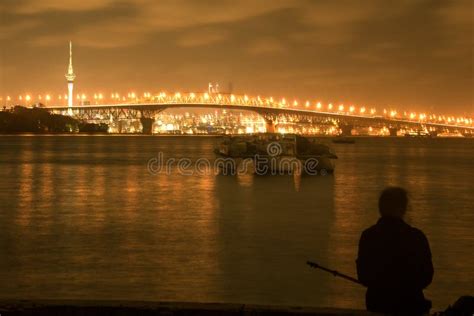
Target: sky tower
70 76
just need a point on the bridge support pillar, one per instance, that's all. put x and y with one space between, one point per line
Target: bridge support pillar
346 129
121 126
393 131
147 124
270 126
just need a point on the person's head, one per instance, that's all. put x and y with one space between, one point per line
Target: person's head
393 202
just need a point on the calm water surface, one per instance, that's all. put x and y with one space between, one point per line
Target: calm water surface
81 217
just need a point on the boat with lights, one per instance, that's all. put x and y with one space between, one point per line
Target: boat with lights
277 153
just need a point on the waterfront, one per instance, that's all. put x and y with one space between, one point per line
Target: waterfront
81 217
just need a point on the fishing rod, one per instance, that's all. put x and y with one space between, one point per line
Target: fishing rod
333 272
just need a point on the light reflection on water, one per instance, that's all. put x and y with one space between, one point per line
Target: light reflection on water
82 218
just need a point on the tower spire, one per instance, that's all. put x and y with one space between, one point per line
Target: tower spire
70 76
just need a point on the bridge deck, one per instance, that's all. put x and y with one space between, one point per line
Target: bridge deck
261 109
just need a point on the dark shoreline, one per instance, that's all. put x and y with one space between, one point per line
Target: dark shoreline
89 307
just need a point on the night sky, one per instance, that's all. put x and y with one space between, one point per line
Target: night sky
408 54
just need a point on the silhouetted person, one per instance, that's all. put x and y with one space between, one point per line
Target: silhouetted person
394 260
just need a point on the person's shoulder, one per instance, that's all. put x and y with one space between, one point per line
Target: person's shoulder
369 231
415 231
418 233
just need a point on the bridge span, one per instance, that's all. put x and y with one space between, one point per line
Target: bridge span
273 112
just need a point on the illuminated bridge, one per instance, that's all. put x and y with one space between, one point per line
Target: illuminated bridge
272 111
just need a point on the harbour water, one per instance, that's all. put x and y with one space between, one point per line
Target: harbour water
81 217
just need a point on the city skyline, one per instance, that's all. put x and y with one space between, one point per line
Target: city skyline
192 46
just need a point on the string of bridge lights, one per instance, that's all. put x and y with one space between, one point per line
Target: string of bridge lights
221 98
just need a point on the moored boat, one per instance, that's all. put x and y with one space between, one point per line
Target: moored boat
277 153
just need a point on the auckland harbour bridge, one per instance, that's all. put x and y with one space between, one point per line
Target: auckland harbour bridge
272 111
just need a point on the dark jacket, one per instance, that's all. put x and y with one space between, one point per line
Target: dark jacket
394 262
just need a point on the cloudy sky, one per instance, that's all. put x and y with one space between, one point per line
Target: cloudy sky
410 54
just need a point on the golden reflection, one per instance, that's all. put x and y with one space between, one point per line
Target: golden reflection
297 181
45 182
246 179
44 194
177 222
25 207
99 189
130 194
81 186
